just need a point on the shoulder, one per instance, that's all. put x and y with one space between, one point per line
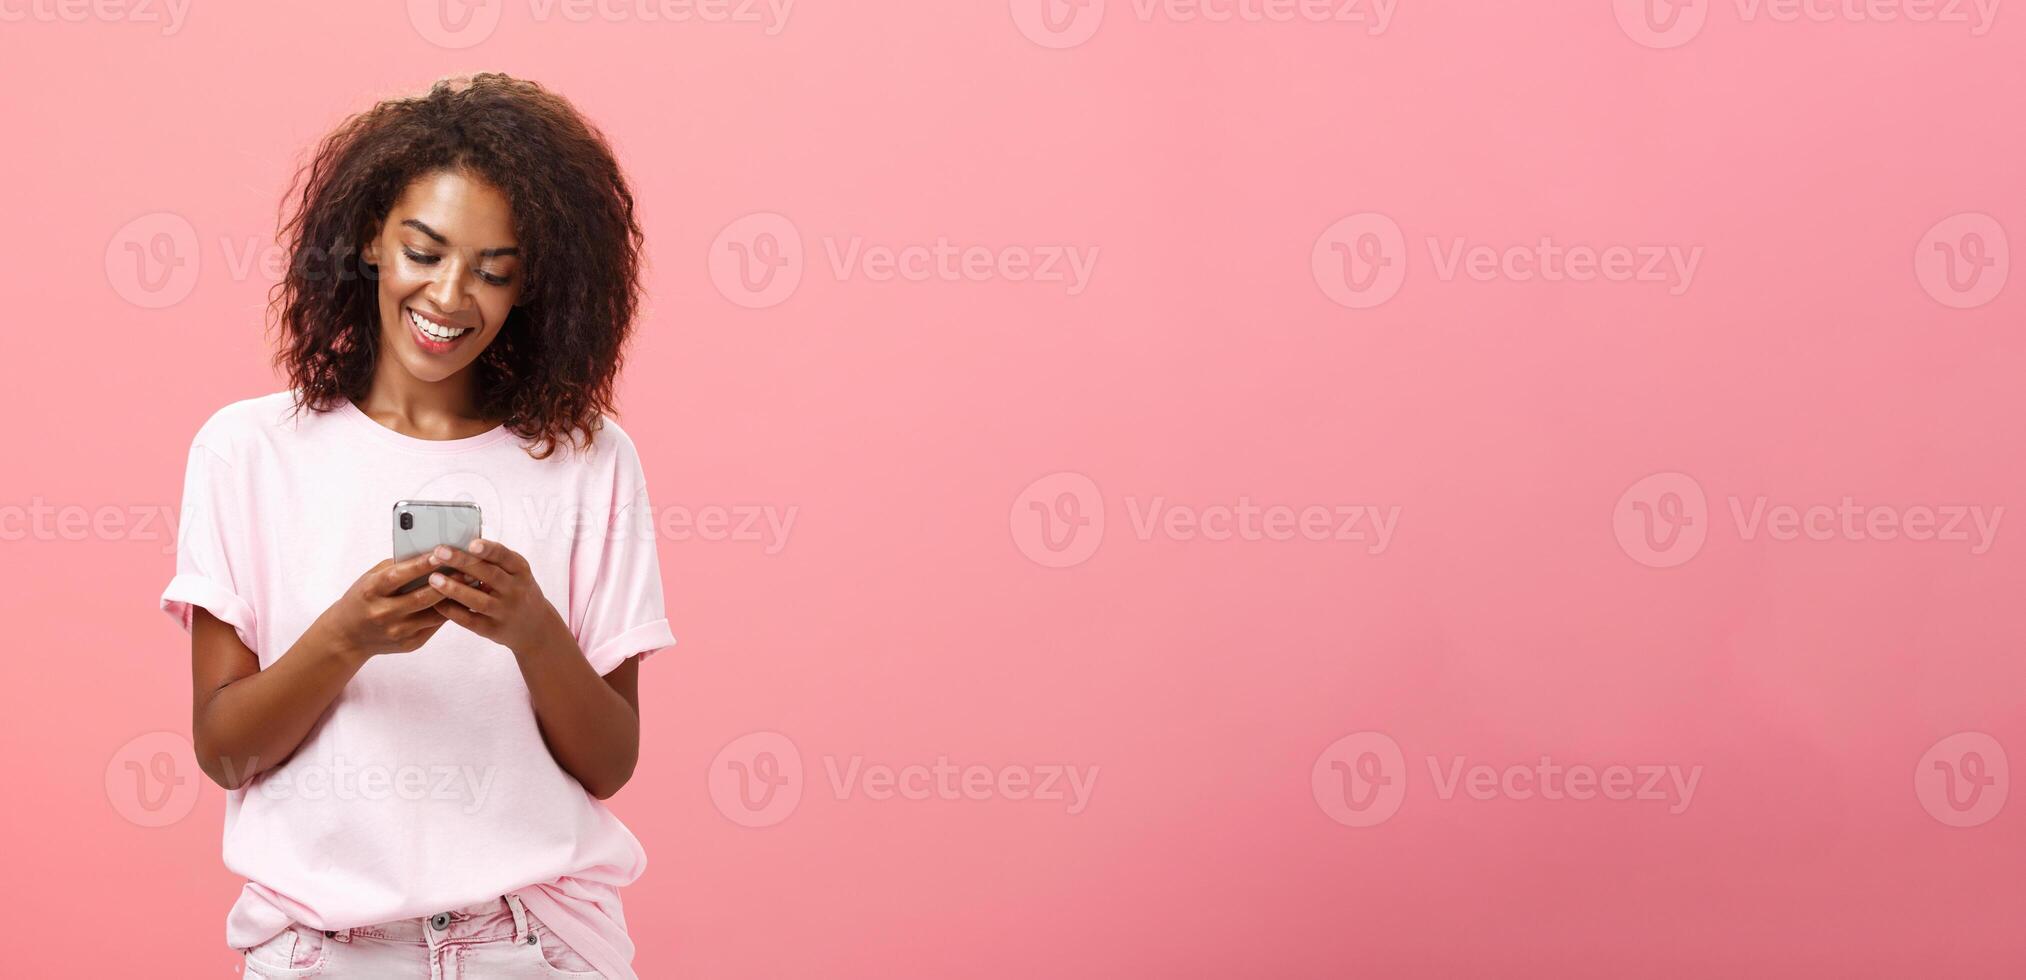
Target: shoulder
613 460
613 443
233 430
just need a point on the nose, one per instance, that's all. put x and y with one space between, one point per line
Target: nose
446 291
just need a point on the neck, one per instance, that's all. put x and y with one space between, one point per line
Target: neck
446 409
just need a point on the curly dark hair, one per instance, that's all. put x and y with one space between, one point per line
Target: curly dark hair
551 371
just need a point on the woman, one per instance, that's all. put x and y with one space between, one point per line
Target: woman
414 779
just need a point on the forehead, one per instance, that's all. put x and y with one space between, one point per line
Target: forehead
460 207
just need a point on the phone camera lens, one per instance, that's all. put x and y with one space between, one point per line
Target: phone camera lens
407 521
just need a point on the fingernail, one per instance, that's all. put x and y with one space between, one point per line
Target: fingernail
436 580
477 545
442 553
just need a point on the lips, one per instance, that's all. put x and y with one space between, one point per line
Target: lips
432 335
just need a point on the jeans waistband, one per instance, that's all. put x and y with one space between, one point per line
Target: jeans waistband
500 918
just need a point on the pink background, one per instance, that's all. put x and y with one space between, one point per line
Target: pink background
1812 358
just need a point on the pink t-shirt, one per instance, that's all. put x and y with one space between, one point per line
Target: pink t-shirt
426 786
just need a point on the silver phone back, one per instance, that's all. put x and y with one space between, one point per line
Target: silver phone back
431 523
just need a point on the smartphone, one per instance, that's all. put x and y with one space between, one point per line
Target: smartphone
421 525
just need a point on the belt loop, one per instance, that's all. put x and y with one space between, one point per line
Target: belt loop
520 917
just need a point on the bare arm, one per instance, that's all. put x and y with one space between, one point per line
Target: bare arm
245 720
591 724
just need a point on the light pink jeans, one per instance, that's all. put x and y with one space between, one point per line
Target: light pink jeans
499 938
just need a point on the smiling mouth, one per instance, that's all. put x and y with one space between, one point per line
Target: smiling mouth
433 336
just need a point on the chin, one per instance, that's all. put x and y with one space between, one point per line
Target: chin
429 369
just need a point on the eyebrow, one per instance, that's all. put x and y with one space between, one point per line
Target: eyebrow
440 240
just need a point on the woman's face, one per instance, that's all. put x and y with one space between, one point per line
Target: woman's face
449 273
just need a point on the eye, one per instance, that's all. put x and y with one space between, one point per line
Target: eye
418 258
493 280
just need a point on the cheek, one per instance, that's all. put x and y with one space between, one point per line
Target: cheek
397 284
497 309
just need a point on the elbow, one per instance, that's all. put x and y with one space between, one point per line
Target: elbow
219 765
606 789
609 786
223 772
208 761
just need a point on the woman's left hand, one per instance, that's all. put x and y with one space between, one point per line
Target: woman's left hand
507 606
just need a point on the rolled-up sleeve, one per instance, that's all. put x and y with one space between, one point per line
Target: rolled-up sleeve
624 615
206 549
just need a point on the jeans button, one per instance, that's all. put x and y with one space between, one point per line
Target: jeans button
440 921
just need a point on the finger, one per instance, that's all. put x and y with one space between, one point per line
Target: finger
500 555
473 599
416 601
416 640
455 613
470 564
422 636
399 573
429 618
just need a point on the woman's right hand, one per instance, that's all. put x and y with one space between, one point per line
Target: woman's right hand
370 619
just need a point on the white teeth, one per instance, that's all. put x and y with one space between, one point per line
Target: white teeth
432 331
